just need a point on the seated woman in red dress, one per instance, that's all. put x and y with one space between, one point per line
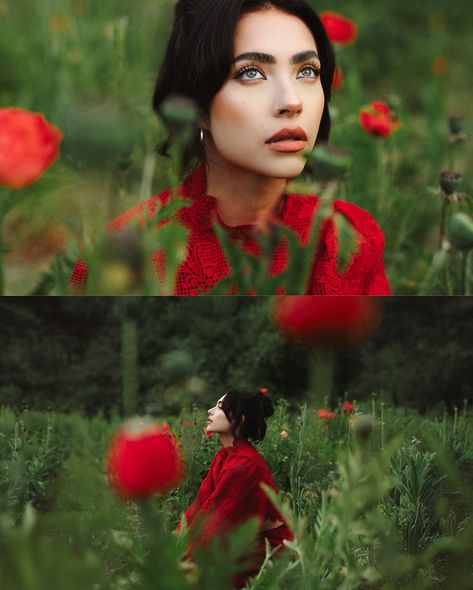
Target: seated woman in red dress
260 73
230 492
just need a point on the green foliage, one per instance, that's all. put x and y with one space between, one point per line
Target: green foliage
364 516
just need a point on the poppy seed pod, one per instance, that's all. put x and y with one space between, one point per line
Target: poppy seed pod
456 124
363 426
450 182
460 231
180 114
144 459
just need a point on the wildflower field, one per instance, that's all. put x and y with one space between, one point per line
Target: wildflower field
379 497
401 108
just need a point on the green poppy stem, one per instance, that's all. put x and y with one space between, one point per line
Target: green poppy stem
321 376
466 272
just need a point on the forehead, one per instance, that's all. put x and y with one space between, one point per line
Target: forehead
273 31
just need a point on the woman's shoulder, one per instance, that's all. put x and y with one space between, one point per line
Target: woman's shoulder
362 220
304 206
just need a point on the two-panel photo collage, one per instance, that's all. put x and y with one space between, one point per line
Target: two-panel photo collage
236 268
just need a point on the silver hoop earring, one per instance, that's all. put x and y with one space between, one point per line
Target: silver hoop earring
201 136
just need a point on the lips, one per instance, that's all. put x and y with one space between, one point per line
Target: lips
295 134
209 421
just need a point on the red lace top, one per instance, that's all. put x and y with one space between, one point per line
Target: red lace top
230 493
206 264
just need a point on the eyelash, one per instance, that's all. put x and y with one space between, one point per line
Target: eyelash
312 66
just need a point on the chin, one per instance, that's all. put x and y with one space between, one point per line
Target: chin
288 170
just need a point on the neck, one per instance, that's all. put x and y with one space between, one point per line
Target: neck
227 439
244 197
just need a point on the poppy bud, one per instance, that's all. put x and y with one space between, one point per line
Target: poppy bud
179 113
363 426
456 124
460 232
329 162
450 182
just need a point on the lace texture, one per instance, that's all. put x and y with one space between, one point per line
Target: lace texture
205 264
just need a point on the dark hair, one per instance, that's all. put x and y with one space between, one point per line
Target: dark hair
200 51
256 407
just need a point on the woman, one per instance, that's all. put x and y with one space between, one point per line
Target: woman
261 73
230 492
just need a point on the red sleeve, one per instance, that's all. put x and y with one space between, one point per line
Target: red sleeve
78 278
367 268
378 282
206 488
234 500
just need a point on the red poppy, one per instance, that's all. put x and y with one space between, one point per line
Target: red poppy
337 80
186 423
264 390
207 433
324 415
332 321
28 146
340 29
348 407
144 458
378 119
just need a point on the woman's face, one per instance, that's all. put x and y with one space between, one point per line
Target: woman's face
260 99
218 421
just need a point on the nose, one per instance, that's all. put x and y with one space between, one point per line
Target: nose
289 102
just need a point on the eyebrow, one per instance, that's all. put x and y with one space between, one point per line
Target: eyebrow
266 58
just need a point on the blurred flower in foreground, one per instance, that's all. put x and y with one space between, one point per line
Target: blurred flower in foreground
144 459
264 390
28 146
332 321
340 29
283 434
207 433
324 415
379 119
363 426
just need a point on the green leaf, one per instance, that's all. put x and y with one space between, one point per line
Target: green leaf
346 238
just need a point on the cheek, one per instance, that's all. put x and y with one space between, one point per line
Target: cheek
230 110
